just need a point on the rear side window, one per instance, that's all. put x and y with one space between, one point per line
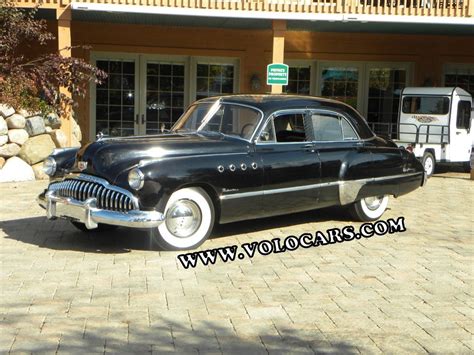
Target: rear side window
331 127
431 105
463 120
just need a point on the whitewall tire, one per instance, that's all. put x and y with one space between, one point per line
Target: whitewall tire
369 208
189 219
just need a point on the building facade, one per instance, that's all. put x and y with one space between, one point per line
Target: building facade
161 55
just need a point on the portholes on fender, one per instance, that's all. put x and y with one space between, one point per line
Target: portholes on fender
254 166
232 167
243 166
220 169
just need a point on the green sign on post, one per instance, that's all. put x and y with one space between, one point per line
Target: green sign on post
277 74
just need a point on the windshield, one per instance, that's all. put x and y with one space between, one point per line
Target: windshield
229 119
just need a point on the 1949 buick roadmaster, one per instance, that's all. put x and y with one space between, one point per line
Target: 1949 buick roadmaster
227 159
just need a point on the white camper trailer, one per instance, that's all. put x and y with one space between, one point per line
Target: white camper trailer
435 123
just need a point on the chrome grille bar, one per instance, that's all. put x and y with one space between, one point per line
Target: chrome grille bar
107 196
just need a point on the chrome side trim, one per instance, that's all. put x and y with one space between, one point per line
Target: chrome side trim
348 189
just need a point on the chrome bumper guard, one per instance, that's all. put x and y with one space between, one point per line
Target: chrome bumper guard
86 212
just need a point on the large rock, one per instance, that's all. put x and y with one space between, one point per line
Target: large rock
76 130
3 139
3 126
52 120
2 162
35 126
39 173
6 110
37 149
16 169
9 150
16 121
26 113
18 136
59 138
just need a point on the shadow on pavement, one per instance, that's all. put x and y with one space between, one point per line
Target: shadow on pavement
87 336
61 235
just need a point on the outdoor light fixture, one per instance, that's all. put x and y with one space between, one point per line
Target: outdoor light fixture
255 82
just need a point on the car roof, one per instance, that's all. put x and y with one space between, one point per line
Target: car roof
273 102
270 103
445 91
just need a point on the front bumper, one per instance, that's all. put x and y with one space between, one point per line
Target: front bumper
86 212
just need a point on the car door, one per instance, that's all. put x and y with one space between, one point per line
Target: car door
343 156
291 167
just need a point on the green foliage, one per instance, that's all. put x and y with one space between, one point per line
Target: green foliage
33 82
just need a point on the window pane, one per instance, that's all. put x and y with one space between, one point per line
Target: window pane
214 80
299 81
347 130
426 105
289 128
326 127
464 115
340 83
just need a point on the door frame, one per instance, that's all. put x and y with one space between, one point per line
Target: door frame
167 59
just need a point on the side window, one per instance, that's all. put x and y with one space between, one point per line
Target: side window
348 131
464 115
268 133
327 127
289 128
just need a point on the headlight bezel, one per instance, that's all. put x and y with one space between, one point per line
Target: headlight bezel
50 166
136 179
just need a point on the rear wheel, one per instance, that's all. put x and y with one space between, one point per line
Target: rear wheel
369 208
429 163
189 219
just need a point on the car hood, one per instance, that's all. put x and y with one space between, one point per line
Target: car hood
110 157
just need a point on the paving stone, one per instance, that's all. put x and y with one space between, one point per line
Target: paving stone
410 292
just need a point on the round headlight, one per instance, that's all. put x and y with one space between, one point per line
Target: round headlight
136 179
49 166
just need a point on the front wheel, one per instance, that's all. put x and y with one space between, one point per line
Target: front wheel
369 208
189 219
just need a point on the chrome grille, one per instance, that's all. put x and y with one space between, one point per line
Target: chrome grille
107 196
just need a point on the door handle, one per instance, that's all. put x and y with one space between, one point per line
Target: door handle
143 118
309 147
136 119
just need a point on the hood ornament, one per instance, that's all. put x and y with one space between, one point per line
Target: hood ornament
82 165
100 135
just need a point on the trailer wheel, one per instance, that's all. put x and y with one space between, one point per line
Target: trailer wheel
429 163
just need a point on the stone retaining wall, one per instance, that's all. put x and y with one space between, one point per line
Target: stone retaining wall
26 139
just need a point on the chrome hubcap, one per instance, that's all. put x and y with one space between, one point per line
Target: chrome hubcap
183 218
373 203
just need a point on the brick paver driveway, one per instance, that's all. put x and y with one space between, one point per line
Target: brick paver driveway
412 292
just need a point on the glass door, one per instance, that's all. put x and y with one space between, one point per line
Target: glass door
341 81
384 87
164 99
115 102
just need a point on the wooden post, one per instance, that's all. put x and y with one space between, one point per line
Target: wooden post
63 16
279 29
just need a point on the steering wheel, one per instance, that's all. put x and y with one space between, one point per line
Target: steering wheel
245 127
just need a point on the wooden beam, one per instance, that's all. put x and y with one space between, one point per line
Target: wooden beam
279 30
63 16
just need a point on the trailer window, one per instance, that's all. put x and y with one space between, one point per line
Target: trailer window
433 105
463 120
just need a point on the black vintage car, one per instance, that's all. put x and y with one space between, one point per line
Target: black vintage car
229 159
